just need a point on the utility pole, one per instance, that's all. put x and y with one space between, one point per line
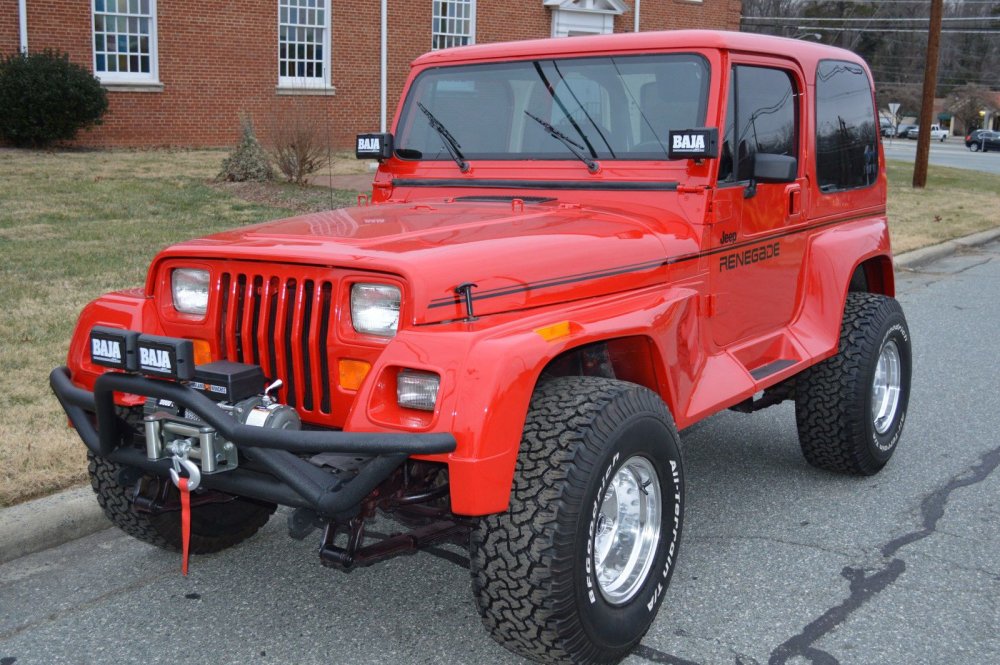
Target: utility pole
927 103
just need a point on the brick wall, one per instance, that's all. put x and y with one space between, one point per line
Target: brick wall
10 31
218 58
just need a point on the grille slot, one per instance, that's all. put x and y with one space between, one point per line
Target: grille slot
282 324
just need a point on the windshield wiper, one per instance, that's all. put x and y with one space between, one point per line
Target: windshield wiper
573 146
449 141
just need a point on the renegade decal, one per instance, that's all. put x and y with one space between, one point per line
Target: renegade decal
747 256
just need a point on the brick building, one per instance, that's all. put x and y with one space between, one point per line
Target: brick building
180 72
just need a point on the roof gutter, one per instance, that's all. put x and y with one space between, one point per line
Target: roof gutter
22 19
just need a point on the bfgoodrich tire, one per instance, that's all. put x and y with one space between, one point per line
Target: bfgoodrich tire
214 526
576 569
850 409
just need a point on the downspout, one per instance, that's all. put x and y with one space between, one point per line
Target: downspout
384 59
637 3
22 16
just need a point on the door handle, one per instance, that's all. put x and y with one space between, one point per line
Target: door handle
794 195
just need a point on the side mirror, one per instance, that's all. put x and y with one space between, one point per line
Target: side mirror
774 168
374 146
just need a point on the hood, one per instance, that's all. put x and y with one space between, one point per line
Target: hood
518 255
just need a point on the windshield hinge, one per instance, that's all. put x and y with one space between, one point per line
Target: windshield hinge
692 189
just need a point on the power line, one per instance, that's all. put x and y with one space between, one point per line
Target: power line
796 19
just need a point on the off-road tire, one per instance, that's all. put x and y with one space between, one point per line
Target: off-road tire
214 526
833 403
533 572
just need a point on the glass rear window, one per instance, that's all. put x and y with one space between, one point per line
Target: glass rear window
618 107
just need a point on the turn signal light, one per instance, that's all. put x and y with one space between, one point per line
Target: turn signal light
353 373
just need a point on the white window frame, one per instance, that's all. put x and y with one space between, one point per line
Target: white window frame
151 78
307 83
434 24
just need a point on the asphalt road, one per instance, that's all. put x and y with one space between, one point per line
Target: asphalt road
951 152
780 563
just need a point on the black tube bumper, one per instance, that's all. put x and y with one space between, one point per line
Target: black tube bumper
288 480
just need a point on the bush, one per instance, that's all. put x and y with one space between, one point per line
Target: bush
248 162
299 146
45 98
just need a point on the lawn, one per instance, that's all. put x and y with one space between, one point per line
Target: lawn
74 225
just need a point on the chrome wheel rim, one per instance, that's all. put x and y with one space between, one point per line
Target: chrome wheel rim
886 388
627 532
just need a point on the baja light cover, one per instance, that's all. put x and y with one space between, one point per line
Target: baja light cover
113 347
166 356
375 309
699 143
190 290
374 146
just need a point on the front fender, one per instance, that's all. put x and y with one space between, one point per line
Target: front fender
130 310
489 370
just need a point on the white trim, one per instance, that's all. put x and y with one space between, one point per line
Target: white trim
384 65
114 79
597 6
22 20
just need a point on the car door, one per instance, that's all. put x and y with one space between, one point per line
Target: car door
756 260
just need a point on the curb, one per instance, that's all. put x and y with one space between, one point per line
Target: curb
43 523
53 520
919 257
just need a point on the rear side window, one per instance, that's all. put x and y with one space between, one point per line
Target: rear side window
846 127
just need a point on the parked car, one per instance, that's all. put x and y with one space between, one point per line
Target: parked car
887 129
903 130
983 139
937 133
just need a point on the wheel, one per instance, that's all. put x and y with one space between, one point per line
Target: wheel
214 526
850 409
576 569
974 147
943 138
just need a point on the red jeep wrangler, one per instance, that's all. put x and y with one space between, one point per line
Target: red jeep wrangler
574 248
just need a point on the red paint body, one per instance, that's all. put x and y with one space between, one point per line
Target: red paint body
644 271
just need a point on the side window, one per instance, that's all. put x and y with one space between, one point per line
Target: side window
846 127
762 117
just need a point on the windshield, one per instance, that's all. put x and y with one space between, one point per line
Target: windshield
618 107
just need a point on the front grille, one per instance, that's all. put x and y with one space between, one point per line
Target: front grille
281 323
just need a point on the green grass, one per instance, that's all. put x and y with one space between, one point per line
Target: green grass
955 203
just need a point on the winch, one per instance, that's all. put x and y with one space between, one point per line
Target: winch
173 432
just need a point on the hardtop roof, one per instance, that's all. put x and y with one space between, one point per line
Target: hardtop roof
802 51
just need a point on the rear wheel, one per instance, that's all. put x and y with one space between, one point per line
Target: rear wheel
974 147
576 569
850 408
214 526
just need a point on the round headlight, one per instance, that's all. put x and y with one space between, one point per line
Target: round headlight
190 290
375 309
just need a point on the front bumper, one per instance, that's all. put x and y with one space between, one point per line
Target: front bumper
278 474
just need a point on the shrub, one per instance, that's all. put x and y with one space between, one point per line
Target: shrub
248 162
299 146
45 98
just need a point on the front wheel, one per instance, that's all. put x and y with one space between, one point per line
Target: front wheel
576 569
850 408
